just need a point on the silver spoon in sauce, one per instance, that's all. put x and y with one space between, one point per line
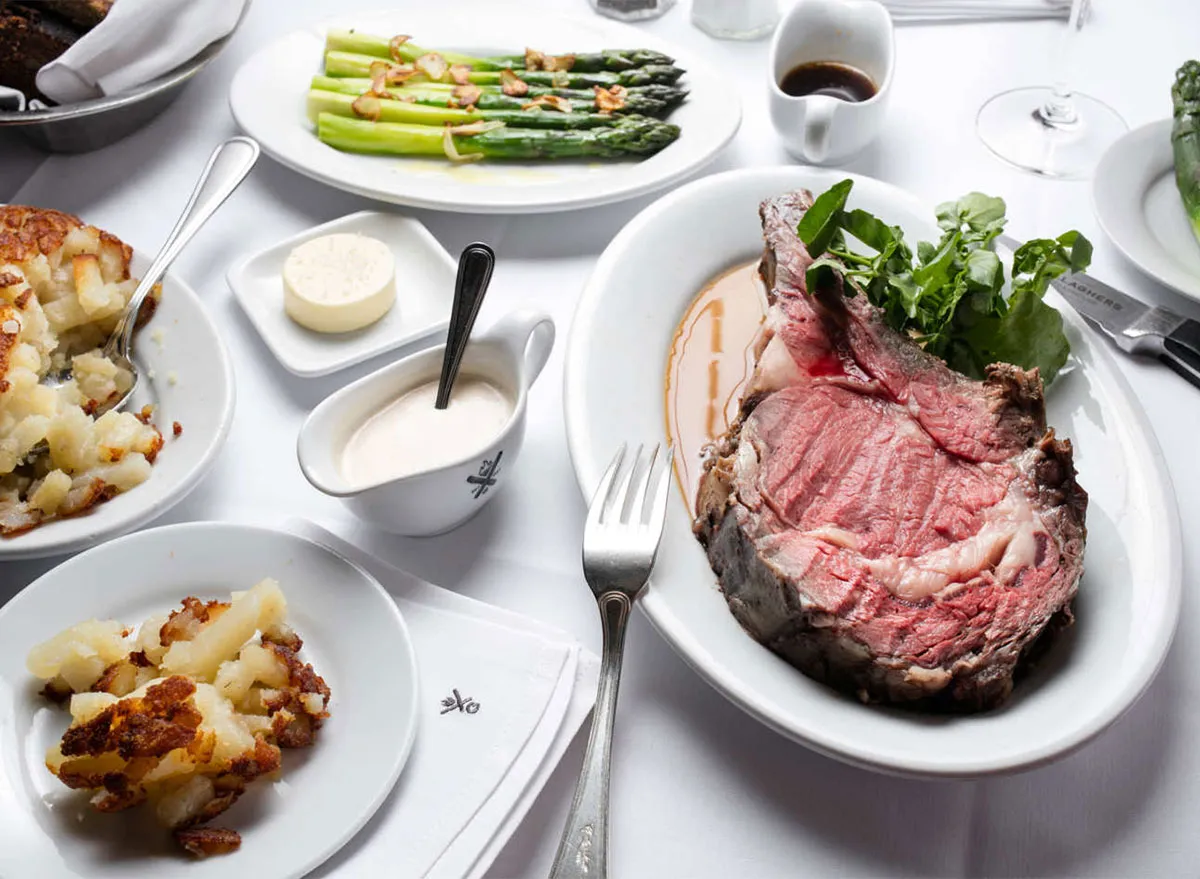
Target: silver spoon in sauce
227 167
475 267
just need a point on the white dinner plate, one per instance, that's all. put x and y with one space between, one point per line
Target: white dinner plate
269 91
353 635
425 275
1139 208
188 377
1129 597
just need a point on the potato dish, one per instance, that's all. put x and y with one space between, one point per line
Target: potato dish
63 286
184 712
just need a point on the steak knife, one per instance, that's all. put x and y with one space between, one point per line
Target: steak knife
1137 328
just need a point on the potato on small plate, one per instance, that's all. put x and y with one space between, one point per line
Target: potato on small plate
229 692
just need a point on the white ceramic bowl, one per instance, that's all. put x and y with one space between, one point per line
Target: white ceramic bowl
188 377
1138 206
510 355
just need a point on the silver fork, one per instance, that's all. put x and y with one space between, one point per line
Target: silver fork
620 542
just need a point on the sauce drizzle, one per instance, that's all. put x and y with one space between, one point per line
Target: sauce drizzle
711 360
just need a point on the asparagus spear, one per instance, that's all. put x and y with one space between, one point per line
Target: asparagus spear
338 40
615 60
651 100
1185 139
628 136
338 63
420 114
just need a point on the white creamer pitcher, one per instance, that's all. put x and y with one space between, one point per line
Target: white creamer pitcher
820 129
510 356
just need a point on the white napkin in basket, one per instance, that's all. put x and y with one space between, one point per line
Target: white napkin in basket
501 696
137 41
933 11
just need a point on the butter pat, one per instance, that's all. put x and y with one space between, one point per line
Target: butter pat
339 283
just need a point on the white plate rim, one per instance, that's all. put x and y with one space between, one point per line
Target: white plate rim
588 468
404 642
1116 194
619 31
12 548
235 277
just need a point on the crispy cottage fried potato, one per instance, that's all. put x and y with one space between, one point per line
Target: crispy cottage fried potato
184 713
63 286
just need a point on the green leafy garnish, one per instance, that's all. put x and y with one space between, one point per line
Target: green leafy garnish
950 299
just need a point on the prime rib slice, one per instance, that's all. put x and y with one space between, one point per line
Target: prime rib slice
885 524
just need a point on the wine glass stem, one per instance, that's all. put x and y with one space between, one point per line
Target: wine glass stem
1059 110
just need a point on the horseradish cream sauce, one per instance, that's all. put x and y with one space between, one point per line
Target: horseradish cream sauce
409 435
711 359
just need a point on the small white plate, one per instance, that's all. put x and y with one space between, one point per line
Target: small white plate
188 377
1139 208
268 96
353 635
425 275
1128 600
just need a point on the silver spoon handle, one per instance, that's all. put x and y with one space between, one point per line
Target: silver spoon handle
227 167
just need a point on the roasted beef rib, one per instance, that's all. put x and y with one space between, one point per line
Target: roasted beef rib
887 525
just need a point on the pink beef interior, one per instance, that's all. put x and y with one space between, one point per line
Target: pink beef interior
884 523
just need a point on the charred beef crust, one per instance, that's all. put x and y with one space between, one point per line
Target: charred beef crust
773 610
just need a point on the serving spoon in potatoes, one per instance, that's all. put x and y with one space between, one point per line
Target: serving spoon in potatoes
227 167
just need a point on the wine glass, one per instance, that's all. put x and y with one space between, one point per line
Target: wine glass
1051 130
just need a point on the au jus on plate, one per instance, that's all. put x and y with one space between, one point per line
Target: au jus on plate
183 713
387 95
902 530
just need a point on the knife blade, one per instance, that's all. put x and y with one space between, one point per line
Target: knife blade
1135 327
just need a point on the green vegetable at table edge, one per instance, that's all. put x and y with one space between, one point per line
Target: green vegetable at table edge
949 299
1185 139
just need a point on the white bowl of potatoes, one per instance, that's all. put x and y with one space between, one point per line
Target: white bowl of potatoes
63 285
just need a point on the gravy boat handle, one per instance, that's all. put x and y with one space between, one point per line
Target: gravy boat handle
529 337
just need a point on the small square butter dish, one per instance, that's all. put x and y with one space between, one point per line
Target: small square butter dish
425 275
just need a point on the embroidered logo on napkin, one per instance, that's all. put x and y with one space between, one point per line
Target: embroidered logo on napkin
461 703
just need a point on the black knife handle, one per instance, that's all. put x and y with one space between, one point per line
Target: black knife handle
1181 351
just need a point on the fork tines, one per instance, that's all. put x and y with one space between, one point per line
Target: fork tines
639 496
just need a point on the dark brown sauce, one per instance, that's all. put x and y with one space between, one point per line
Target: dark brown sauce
829 78
711 359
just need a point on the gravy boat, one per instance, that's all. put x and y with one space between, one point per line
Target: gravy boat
510 356
820 129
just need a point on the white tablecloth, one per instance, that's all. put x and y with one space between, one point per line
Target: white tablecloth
700 789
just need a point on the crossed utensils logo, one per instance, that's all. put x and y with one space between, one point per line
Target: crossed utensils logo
486 477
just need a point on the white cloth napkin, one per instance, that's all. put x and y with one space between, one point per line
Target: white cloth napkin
933 11
137 41
501 696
